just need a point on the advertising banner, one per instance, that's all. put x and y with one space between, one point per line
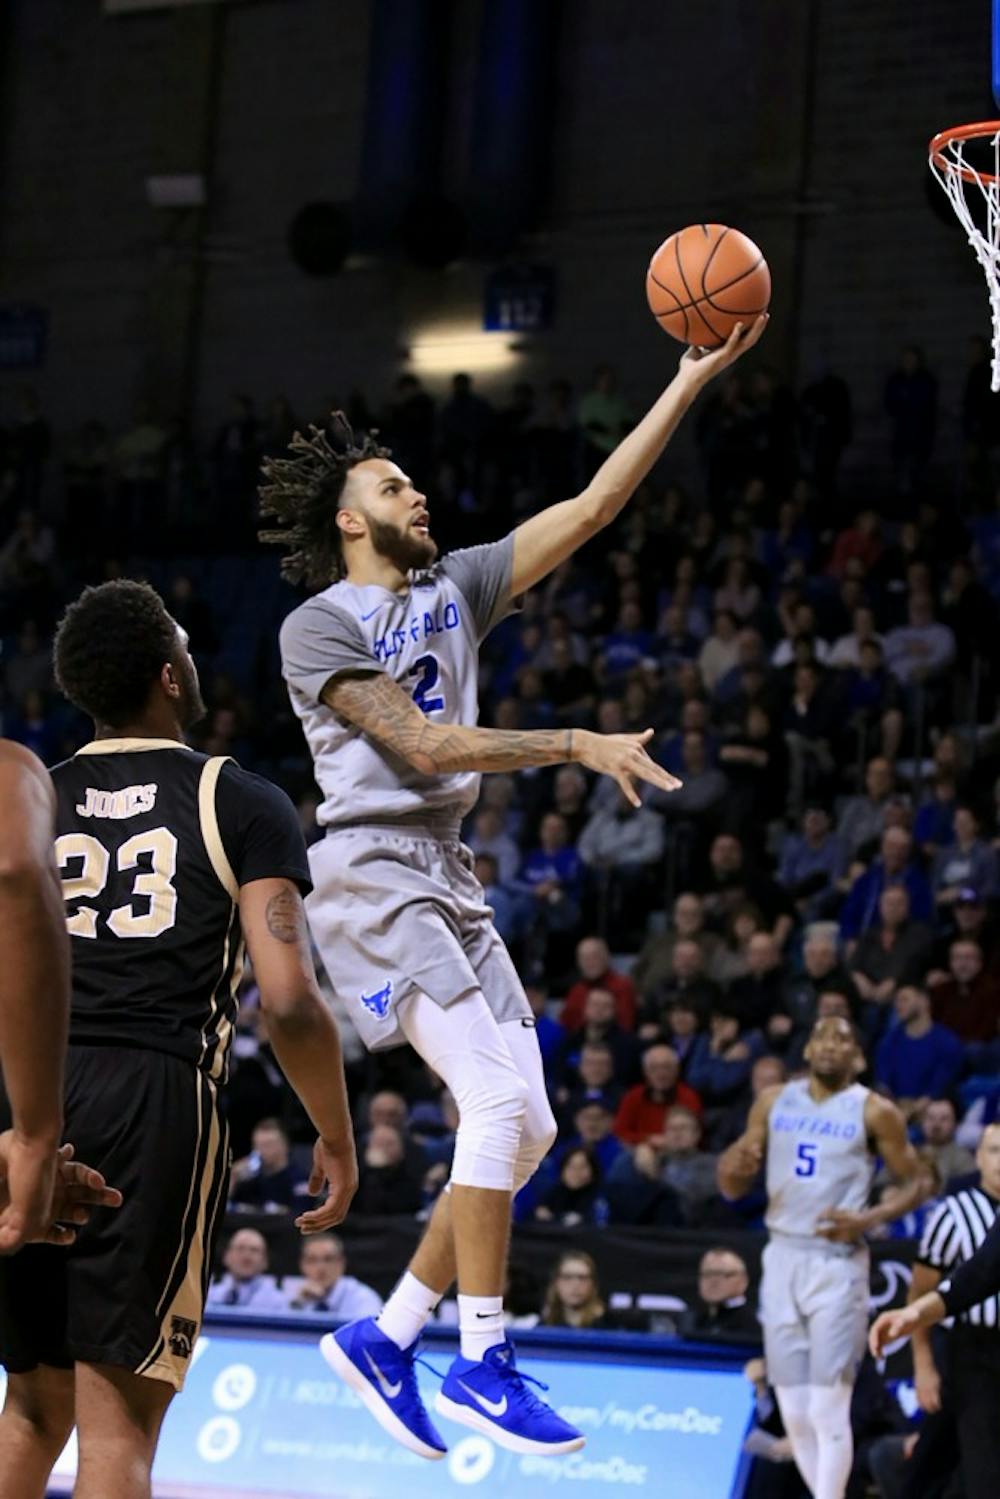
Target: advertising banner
263 1416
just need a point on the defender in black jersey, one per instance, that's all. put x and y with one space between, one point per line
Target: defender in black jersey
170 861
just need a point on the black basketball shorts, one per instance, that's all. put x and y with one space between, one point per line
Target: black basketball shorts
131 1290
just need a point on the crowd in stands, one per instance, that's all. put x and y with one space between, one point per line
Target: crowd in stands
820 667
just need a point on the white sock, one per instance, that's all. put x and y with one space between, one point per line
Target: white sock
480 1323
408 1310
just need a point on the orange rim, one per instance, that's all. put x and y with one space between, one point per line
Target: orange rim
944 138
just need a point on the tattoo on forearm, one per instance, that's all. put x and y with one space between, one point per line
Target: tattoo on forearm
286 918
380 708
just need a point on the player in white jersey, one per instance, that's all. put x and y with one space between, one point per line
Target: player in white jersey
382 669
821 1136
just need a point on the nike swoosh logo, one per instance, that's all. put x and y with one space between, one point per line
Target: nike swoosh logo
371 612
390 1391
491 1407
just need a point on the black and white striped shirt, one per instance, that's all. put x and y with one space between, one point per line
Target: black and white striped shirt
956 1229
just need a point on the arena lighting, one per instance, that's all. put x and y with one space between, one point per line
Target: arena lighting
445 348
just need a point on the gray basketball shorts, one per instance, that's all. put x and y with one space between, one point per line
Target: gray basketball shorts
397 911
814 1311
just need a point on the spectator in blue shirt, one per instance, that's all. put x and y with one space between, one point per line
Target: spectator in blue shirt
627 644
917 1060
811 863
553 868
594 1124
323 1286
513 911
752 657
894 866
934 824
674 643
719 1065
967 861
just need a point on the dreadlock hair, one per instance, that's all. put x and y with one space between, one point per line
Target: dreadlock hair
110 647
303 493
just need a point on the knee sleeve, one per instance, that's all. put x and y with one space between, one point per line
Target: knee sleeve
464 1046
489 1132
830 1406
537 1138
538 1133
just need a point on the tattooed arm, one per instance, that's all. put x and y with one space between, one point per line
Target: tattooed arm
380 708
303 1035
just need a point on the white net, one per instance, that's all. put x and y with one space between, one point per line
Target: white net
968 168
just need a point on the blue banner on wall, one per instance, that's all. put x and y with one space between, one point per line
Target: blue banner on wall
520 299
261 1417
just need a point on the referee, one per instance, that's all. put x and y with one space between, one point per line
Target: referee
958 1228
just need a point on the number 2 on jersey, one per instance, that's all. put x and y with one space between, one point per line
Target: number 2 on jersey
806 1159
430 668
154 883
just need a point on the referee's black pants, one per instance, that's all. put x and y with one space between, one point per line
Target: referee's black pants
975 1392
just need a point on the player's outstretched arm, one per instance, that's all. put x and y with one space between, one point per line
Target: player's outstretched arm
547 539
305 1039
378 706
739 1165
34 993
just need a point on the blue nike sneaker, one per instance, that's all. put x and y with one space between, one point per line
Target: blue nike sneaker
492 1397
385 1377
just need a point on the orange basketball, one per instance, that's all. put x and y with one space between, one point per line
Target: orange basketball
703 280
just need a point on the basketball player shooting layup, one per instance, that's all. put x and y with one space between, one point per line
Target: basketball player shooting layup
382 669
821 1135
43 1191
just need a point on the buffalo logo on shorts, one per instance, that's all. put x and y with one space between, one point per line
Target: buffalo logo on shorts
379 1000
182 1336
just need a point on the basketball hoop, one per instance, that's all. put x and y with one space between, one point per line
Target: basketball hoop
964 159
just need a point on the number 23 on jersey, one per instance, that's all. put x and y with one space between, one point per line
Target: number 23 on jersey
153 857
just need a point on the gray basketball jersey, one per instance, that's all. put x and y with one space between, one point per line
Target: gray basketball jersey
426 639
817 1158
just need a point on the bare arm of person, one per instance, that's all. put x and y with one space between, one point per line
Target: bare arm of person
379 707
34 976
34 993
905 1321
304 1036
927 1380
738 1166
547 539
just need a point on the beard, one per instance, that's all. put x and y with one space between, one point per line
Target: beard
831 1077
404 548
191 708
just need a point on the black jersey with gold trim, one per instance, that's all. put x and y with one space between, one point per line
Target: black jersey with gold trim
153 843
